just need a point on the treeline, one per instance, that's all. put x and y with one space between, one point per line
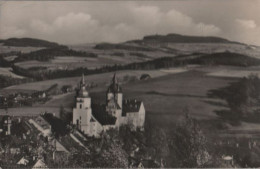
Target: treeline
54 74
6 81
50 53
109 46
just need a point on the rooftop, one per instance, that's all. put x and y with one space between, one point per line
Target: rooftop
130 106
99 112
42 122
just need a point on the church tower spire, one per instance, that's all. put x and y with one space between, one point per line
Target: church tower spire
82 87
82 82
114 80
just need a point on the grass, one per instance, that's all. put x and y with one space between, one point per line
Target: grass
166 97
6 49
101 80
8 72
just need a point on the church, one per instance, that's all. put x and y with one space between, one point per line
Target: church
92 119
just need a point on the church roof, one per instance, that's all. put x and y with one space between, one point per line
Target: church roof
130 106
100 114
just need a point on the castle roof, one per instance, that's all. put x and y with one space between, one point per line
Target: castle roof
130 106
100 114
114 86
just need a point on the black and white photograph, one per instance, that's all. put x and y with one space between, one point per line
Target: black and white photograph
129 84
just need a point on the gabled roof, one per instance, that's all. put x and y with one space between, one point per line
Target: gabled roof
131 106
100 114
60 147
42 122
39 164
23 161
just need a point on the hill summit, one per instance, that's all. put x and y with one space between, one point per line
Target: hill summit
177 38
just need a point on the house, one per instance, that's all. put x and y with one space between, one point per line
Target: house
228 159
143 163
23 161
5 125
93 119
67 88
39 164
15 150
42 125
60 153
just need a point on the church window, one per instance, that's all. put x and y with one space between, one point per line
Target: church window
80 106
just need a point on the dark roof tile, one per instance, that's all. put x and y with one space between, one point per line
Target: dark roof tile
100 114
130 106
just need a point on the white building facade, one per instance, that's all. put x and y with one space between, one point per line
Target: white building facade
92 120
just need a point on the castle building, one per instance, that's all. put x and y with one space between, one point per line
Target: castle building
92 119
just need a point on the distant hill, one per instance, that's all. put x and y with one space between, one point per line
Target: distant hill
26 42
176 38
158 42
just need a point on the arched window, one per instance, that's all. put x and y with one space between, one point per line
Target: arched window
80 106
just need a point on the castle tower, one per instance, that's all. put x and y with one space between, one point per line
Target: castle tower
115 100
115 92
82 111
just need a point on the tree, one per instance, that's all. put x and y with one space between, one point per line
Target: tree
188 144
62 111
157 140
111 155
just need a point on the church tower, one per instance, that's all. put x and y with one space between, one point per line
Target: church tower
82 111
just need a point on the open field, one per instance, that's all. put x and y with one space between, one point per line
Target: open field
99 79
8 72
104 59
30 111
6 49
234 73
68 62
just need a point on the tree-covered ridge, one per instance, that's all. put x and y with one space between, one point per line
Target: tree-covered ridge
26 42
122 46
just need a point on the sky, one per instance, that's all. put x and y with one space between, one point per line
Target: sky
79 22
